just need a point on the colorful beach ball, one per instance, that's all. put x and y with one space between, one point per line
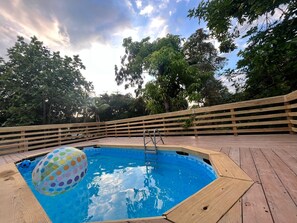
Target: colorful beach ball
60 171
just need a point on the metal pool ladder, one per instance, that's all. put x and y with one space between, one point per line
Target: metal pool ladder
153 139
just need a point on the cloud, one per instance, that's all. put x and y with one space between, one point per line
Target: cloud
157 27
147 10
138 4
64 23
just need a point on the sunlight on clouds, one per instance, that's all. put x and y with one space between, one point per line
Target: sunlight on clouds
128 32
100 60
138 4
19 22
146 11
157 27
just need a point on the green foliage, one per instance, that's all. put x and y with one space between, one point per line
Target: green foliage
270 63
202 54
189 122
152 95
162 59
95 106
40 87
269 60
178 72
121 106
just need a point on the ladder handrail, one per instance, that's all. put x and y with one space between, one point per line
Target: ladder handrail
153 140
144 137
161 139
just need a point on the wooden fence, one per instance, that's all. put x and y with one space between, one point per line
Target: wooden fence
24 138
269 115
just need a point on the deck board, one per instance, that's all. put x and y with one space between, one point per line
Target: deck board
281 205
289 160
235 213
255 208
14 189
284 173
269 160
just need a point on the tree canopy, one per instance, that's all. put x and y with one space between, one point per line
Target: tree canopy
178 71
38 86
269 60
121 106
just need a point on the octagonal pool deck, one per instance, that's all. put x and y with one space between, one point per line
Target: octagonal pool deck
270 161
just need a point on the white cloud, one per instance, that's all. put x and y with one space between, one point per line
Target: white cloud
134 32
157 27
61 23
164 4
100 60
147 10
138 4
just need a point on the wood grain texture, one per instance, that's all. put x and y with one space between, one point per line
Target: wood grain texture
281 205
227 168
234 215
20 204
284 173
254 206
211 202
289 160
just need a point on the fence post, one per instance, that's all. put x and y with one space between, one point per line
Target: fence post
164 126
234 128
129 132
59 136
194 123
24 141
115 130
105 130
289 118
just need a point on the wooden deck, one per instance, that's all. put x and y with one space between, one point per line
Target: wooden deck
270 160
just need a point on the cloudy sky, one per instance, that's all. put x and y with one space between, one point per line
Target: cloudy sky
94 29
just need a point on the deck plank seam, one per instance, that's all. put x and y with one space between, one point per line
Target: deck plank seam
279 178
265 195
284 161
240 200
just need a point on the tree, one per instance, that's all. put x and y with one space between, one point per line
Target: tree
97 106
271 52
40 87
202 55
152 95
164 60
122 106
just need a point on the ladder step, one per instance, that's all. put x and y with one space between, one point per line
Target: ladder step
150 151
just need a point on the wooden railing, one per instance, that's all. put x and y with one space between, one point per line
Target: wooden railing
269 115
24 138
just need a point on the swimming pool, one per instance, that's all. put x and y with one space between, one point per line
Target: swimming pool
126 183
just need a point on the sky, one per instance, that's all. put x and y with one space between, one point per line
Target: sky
95 29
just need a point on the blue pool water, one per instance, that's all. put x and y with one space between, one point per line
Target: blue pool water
122 183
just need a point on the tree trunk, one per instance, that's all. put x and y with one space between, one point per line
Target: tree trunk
97 117
167 105
43 112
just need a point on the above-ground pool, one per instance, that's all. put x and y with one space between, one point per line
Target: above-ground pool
126 183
